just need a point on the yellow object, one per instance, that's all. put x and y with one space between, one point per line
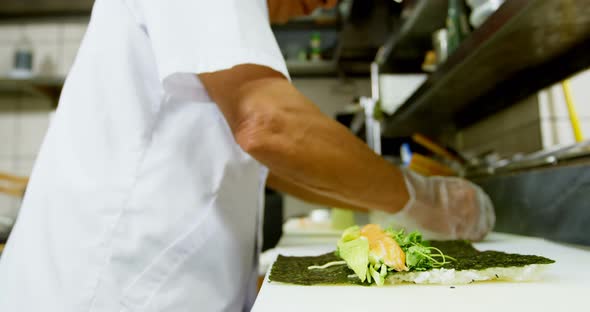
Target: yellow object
429 167
572 111
435 148
342 219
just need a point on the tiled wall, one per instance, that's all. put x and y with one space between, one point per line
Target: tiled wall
555 122
54 45
539 122
24 119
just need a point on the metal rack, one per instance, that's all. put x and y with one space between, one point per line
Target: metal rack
49 87
523 47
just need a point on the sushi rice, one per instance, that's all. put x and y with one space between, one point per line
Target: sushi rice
453 277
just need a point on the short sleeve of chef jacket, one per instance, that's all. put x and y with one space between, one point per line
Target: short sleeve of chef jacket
199 36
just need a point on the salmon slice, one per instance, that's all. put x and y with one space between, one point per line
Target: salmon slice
384 247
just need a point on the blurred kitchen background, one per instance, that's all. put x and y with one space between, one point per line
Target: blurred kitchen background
483 83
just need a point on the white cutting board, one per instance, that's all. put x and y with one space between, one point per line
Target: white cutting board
565 285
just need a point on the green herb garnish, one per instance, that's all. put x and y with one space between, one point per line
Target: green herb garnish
373 264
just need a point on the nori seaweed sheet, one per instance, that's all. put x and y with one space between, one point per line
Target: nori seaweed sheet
294 270
469 258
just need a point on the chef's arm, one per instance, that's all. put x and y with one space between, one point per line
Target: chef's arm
284 185
272 121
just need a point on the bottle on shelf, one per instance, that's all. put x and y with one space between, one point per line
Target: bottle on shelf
23 59
457 25
315 44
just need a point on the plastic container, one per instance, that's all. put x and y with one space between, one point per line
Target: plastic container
440 41
457 25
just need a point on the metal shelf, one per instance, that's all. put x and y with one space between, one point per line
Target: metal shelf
312 68
43 10
523 47
405 49
309 25
49 87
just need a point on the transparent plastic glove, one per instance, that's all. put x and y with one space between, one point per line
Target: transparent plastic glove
443 208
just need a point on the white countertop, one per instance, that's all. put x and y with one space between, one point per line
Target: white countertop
566 284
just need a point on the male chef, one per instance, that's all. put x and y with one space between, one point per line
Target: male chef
147 192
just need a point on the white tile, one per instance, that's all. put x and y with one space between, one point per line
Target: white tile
10 34
7 164
24 166
73 32
6 59
560 132
548 134
32 125
43 33
585 124
8 117
70 50
546 103
564 133
552 100
580 85
46 59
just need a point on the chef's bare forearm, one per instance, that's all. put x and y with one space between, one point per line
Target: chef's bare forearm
272 121
285 185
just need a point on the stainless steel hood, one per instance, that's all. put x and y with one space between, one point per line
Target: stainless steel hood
22 9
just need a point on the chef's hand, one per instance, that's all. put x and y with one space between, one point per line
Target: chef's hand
448 207
281 11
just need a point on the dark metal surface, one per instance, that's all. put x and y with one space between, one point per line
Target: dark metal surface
404 50
364 32
525 46
38 86
19 9
553 203
272 226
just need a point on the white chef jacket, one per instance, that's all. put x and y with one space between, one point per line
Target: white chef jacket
140 199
